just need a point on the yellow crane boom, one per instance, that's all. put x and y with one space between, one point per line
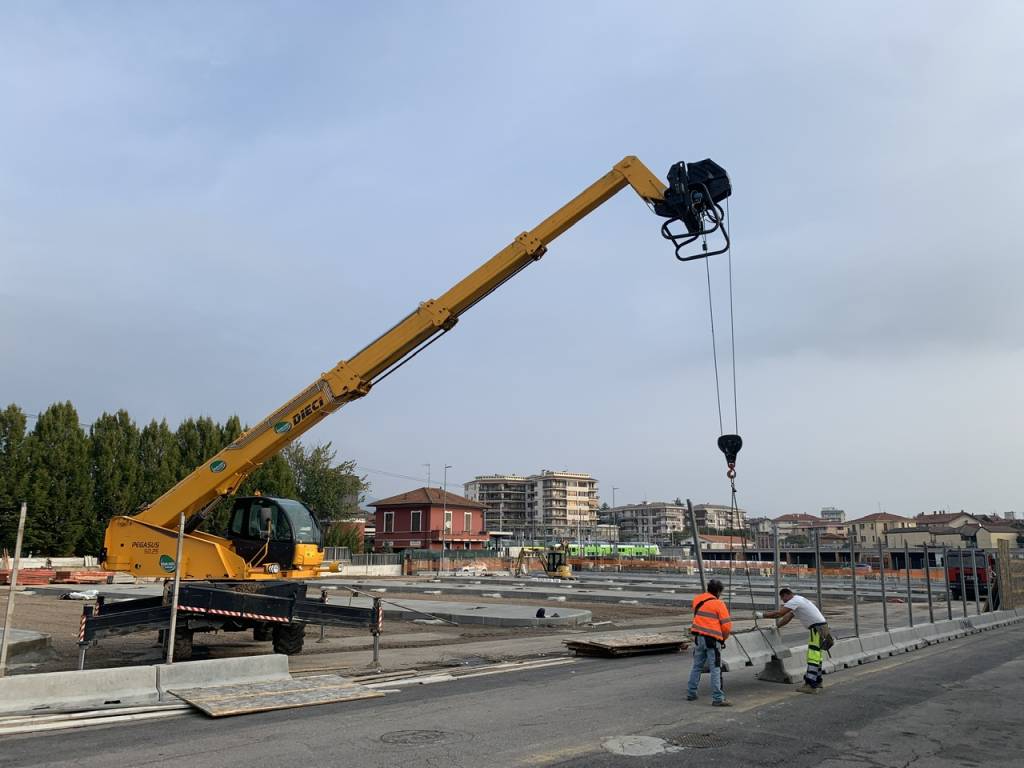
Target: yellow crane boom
136 543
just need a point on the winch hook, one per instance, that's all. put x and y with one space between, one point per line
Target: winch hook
730 445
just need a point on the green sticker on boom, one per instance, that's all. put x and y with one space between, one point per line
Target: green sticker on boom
282 426
218 466
167 563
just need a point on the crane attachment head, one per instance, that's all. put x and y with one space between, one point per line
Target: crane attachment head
693 198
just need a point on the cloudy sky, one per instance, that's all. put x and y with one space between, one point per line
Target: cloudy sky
205 205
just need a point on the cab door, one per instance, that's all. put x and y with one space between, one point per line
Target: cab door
253 541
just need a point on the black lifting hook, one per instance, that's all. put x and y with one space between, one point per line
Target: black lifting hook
730 445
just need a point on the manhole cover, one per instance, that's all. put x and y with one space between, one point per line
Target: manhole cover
701 740
414 737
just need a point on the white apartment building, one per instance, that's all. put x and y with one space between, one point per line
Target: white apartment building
547 507
720 518
653 522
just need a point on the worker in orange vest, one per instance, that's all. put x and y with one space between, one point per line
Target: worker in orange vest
710 629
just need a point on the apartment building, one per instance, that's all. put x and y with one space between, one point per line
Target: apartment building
547 506
720 518
833 515
872 528
653 521
505 497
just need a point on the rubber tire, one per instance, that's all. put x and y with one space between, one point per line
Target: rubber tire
288 638
182 644
262 633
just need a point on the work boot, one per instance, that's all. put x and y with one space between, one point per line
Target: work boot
721 703
805 688
691 697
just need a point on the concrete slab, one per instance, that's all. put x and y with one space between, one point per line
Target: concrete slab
25 646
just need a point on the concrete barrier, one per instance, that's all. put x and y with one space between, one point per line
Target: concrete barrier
756 646
68 691
905 639
212 672
846 653
876 645
786 666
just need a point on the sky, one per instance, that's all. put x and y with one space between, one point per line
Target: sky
205 205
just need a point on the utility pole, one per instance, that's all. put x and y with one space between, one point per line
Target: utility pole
444 514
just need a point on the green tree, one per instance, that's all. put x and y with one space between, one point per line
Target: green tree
60 487
333 492
159 460
12 456
199 440
342 533
116 467
13 477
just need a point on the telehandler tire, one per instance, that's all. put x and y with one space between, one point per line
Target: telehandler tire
288 638
182 644
262 633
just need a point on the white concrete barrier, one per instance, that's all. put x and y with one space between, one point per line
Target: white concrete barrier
756 645
876 645
68 691
905 639
846 653
212 672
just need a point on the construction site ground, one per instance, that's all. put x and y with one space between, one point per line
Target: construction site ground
422 643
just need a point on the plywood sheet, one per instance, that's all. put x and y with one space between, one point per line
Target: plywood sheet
629 645
221 701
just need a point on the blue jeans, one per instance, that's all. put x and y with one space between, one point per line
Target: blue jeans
703 654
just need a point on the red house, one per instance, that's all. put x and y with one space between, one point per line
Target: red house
429 518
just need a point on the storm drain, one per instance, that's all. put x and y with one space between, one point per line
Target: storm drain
415 737
701 740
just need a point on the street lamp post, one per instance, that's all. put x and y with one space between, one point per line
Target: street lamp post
444 512
615 515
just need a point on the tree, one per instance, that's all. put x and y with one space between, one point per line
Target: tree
159 460
13 478
345 534
12 456
116 469
332 492
60 488
199 440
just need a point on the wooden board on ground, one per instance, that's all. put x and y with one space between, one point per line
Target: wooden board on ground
630 645
224 700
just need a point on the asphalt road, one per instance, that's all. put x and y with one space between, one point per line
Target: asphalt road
953 704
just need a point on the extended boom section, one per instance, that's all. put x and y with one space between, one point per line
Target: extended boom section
141 543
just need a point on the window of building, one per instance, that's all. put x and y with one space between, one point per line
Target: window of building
448 520
389 522
467 523
415 520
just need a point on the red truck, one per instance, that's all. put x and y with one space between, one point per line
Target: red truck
975 567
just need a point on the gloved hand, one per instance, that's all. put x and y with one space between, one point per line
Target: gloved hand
758 614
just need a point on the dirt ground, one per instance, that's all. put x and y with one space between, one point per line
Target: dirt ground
45 612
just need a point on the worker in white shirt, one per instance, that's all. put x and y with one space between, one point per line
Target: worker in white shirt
820 639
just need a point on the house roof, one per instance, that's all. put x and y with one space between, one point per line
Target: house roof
428 496
936 529
881 517
972 529
798 518
941 518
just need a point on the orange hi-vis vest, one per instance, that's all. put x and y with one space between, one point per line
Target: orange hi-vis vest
710 617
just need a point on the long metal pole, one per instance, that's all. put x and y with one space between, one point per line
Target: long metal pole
963 580
928 584
9 613
853 579
881 579
696 544
945 579
817 565
910 596
174 592
777 565
977 580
